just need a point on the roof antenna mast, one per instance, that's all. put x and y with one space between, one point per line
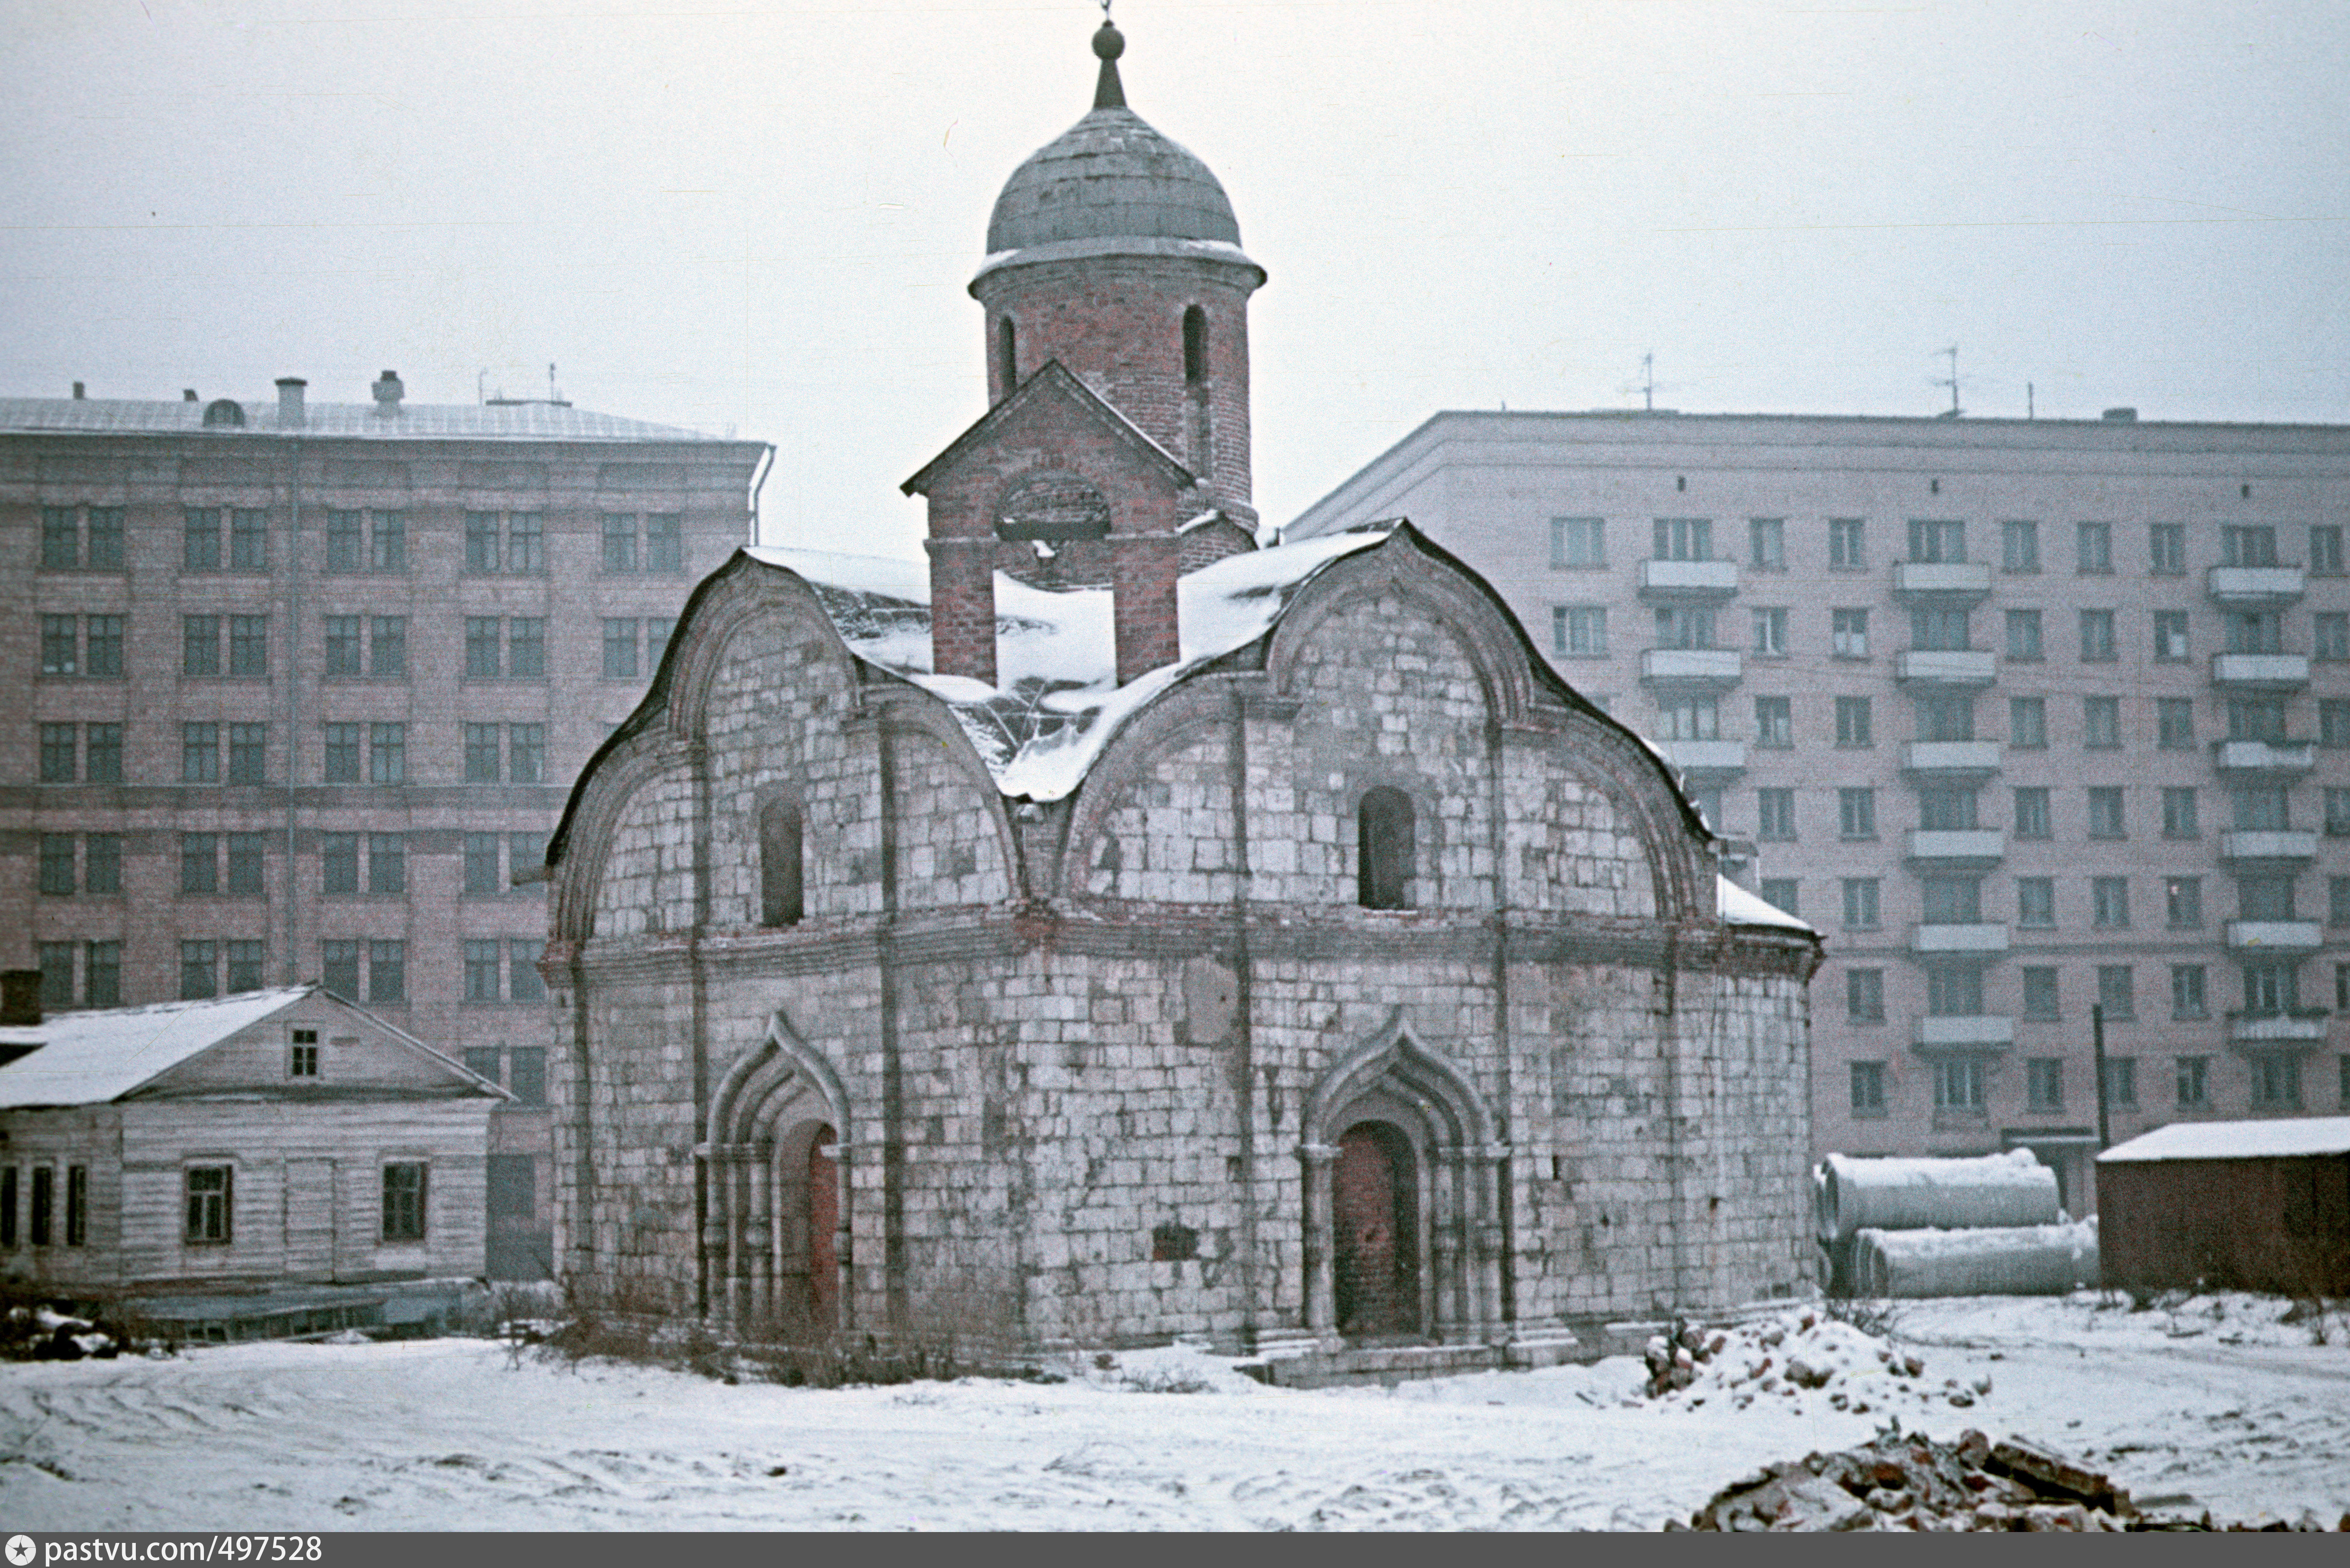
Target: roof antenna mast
1951 381
1649 382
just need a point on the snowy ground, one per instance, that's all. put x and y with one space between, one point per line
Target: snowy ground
2239 1413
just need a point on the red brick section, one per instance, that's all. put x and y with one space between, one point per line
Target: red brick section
1374 1297
962 603
824 1219
1143 569
1117 323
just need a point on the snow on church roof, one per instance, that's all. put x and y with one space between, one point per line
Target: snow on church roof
1056 701
1737 906
2282 1138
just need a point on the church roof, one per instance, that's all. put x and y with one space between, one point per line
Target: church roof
1052 379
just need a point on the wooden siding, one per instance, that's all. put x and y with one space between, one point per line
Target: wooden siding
355 1056
2280 1224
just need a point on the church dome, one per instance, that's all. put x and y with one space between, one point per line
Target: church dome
1110 176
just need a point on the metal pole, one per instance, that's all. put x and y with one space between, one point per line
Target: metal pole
2097 1037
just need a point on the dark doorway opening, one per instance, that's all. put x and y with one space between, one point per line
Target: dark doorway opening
1376 1214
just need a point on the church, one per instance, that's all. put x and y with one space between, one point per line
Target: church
1125 931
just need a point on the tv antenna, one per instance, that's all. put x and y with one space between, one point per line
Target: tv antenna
1951 381
1649 382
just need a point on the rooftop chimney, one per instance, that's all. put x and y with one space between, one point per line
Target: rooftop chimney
289 401
77 392
2121 416
20 997
388 392
187 394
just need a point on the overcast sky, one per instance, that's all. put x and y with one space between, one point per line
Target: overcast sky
760 215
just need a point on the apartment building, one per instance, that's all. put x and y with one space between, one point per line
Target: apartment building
306 685
2028 717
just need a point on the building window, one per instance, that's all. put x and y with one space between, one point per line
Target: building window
1689 719
2121 1080
248 540
2018 547
526 646
481 861
1685 627
77 1205
387 753
1007 354
2194 1081
1771 632
525 753
1959 1086
2170 637
2331 638
106 538
482 956
1853 724
1774 725
200 550
1863 995
1781 893
245 865
2255 631
2040 994
339 966
524 982
1766 543
7 1206
528 1079
483 639
102 863
2093 547
404 1201
2187 996
2106 811
198 970
59 763
200 645
1951 900
1684 539
2337 813
2097 645
2324 549
342 753
2257 719
60 645
2116 994
1946 716
2032 811
2174 719
620 648
2276 1082
1574 630
1867 1088
388 541
481 749
248 646
387 863
248 753
2167 549
56 960
2179 816
1384 849
1937 541
2035 902
482 1061
620 542
343 646
2027 723
56 876
1847 543
482 555
2043 1084
1578 542
782 869
1775 815
302 1056
1948 809
2182 900
1857 813
346 546
211 1204
657 634
1954 990
246 961
338 862
42 1216
1860 903
1848 633
200 761
2262 809
199 863
102 974
60 539
388 970
2243 545
2109 903
1940 628
2024 635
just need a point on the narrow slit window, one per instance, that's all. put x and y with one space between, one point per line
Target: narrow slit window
1384 849
1007 354
781 884
1195 345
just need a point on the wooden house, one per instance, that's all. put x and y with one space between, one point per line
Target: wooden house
2257 1206
269 1137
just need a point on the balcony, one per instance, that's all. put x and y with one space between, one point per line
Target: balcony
1977 849
2275 936
1980 936
2297 1026
1941 579
2254 587
1706 759
1714 666
2271 844
1983 1033
2260 671
1951 667
1687 579
1951 759
2274 757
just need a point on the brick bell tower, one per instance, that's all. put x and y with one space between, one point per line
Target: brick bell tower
1116 447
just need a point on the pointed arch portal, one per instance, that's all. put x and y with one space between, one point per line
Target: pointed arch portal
777 1239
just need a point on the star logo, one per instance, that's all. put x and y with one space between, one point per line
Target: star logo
20 1550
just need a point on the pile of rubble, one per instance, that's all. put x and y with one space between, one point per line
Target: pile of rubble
1792 1358
1911 1482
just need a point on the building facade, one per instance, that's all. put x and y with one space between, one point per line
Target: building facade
1116 931
2028 717
304 687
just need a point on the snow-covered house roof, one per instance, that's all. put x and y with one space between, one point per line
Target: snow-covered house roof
2280 1139
90 1058
534 421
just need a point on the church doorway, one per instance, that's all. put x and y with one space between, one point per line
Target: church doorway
822 1177
1375 1202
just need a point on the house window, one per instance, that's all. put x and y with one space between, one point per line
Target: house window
2097 645
77 1205
2331 638
525 753
1867 1088
2105 819
2094 548
248 753
1775 813
2035 902
2180 815
302 1056
1847 543
619 648
2018 547
346 546
388 541
1578 542
342 754
1684 539
200 645
2116 994
199 863
2043 1084
2109 903
102 974
7 1206
1781 893
1775 727
782 866
245 962
524 982
1959 1086
2186 994
2040 994
1940 629
620 542
201 534
528 1079
2194 1081
388 971
2243 545
2170 637
211 1193
2276 1084
404 1201
2167 549
2027 723
1689 719
1937 541
2174 719
1766 543
2121 1080
2182 898
387 753
482 955
1948 809
2324 548
1771 632
1849 633
1857 813
1863 995
1860 903
2032 811
244 864
2024 635
481 862
1853 722
1951 900
1684 627
1384 849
